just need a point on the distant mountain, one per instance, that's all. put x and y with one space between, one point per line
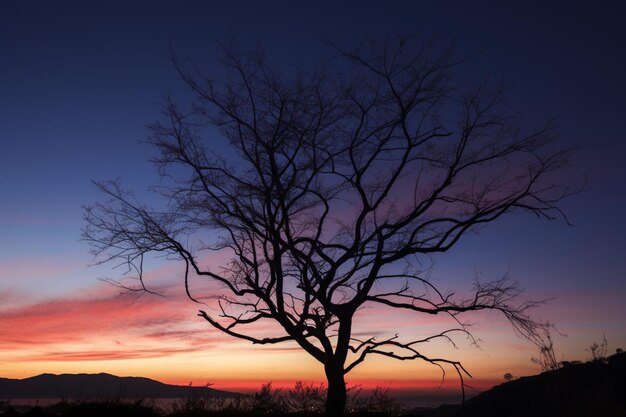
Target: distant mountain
98 386
589 389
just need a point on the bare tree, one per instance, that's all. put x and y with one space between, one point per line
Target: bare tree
547 357
329 188
599 350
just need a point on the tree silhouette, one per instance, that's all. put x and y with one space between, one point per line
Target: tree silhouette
547 357
327 187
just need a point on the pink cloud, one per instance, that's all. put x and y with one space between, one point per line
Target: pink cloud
100 324
147 326
104 355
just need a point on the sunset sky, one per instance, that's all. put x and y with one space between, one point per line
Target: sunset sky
79 82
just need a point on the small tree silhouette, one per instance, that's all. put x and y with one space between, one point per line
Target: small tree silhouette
379 401
599 350
267 401
547 358
307 398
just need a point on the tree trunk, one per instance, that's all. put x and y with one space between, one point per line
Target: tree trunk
337 394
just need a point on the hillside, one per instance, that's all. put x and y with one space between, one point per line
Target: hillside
585 390
98 386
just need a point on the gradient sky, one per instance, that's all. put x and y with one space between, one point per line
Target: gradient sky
80 80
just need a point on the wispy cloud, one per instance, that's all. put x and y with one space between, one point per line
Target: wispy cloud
104 355
101 326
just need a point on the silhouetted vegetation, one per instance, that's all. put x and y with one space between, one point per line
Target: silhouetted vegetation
547 357
599 350
90 409
302 401
594 388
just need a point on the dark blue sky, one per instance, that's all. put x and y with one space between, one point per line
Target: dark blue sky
80 80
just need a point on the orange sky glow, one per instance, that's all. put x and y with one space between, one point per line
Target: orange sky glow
99 330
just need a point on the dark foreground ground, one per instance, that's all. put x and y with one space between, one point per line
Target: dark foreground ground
120 409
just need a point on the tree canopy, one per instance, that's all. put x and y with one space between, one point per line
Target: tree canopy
327 187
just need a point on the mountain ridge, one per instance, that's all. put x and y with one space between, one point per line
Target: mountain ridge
594 388
85 386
